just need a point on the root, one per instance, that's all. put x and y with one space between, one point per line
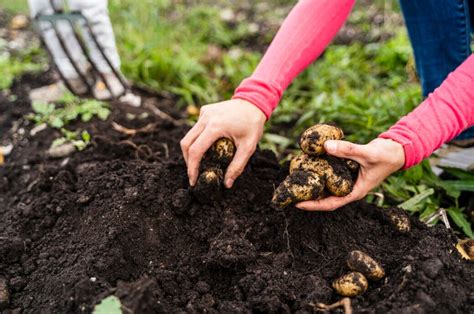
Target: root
146 129
163 115
344 303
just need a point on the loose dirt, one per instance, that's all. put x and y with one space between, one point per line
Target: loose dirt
119 218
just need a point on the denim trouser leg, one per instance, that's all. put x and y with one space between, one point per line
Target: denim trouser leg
440 34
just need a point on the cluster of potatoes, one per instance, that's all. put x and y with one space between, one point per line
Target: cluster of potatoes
363 268
314 174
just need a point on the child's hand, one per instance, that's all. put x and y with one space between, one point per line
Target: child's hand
378 159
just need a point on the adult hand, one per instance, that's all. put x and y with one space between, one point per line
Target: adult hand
236 119
378 159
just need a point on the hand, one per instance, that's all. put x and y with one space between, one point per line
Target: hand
236 119
378 159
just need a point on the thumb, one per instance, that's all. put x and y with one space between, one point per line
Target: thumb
344 149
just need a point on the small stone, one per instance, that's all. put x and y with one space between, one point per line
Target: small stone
432 267
83 199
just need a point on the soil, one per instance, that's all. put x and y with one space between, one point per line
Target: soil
119 218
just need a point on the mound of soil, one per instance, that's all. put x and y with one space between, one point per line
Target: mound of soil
119 218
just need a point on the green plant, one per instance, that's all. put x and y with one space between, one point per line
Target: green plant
70 109
109 305
80 139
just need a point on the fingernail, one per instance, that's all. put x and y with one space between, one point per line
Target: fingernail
229 183
299 206
191 182
330 145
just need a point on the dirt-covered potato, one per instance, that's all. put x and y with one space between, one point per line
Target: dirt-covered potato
297 187
209 185
399 219
312 140
352 165
333 170
351 284
223 150
466 248
363 263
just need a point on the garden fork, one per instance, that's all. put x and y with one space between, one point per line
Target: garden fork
79 23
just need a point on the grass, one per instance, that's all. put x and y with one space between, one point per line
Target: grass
201 50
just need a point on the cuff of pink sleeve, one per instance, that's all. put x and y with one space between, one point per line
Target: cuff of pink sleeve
260 94
408 147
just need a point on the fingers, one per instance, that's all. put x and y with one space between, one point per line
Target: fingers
238 164
197 150
189 139
333 202
344 149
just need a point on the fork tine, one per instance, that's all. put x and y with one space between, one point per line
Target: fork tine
71 59
106 58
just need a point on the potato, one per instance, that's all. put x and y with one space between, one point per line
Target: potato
363 263
208 188
223 150
4 294
352 165
399 219
351 284
312 140
211 176
466 248
297 187
335 172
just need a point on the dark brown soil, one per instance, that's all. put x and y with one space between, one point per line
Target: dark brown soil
119 218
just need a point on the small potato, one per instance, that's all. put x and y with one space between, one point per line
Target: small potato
466 249
363 263
399 219
211 176
223 150
4 294
351 284
352 165
312 140
338 177
297 187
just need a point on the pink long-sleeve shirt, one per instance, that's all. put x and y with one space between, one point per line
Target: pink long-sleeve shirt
304 35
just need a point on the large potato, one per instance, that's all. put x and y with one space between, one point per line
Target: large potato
351 284
363 263
312 140
297 187
334 170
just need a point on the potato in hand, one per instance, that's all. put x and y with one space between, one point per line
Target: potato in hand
335 176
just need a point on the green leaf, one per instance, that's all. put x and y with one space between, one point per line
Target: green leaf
58 141
415 200
109 305
43 108
460 174
56 122
460 185
86 137
458 217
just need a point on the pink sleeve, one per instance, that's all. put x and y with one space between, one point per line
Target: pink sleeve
307 30
441 117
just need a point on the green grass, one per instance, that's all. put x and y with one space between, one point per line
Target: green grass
192 50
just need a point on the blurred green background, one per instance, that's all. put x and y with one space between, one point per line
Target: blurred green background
199 51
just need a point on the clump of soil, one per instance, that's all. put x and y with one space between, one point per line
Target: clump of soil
109 220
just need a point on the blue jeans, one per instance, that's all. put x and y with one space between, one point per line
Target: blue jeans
440 34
